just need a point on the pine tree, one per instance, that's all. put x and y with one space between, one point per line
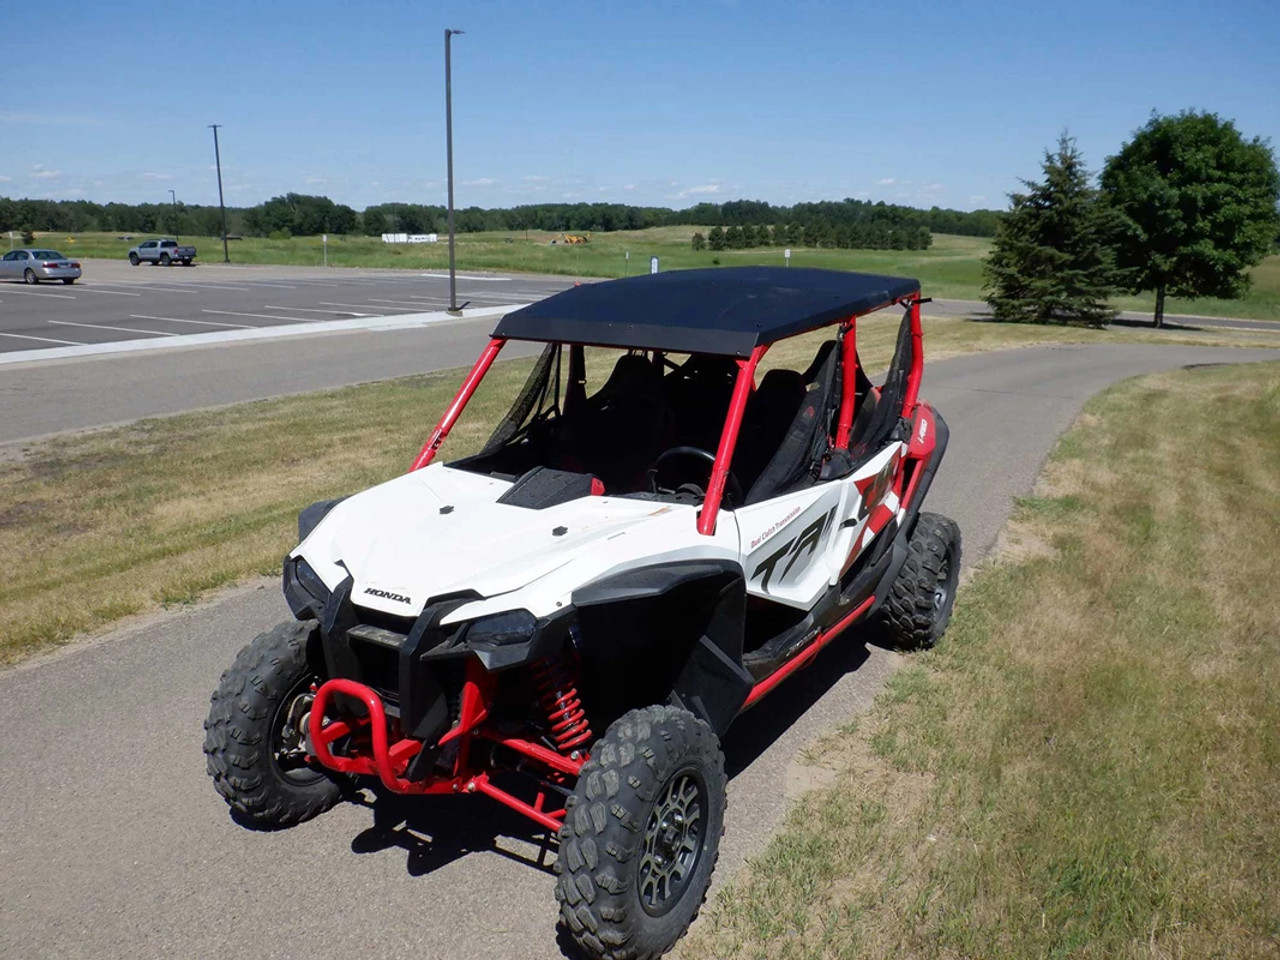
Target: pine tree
1053 259
715 239
699 241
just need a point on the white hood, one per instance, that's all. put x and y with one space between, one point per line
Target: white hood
439 530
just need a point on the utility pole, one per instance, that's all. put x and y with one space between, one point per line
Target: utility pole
448 135
217 158
174 197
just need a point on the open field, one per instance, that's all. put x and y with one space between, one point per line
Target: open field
103 525
951 268
1087 764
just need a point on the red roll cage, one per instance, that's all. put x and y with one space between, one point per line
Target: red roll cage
743 387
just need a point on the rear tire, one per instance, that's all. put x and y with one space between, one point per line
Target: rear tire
916 612
29 277
641 835
254 741
133 259
186 262
68 280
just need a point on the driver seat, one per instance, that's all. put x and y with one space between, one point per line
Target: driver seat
769 413
622 427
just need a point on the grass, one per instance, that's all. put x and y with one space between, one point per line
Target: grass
951 268
103 525
1087 765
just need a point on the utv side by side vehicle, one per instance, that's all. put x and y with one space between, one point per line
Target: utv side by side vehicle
661 530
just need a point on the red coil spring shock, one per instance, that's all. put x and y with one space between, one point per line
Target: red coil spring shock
569 726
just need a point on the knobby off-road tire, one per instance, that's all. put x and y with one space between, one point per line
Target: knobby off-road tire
253 742
917 610
133 259
641 835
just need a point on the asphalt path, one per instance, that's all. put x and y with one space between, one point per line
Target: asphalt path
115 845
1125 318
115 302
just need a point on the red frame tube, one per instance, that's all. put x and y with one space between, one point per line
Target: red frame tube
389 760
848 383
385 759
806 656
916 374
459 403
728 440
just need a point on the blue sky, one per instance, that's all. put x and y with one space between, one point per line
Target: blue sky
908 101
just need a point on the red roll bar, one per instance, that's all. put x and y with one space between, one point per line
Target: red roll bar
459 403
728 440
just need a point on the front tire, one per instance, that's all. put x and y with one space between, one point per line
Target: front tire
133 259
255 739
29 276
641 835
916 612
164 260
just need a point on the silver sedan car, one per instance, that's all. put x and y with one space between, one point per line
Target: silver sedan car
33 265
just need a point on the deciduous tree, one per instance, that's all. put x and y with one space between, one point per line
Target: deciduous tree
1198 205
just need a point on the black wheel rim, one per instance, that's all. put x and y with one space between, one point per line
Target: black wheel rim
673 840
943 589
289 736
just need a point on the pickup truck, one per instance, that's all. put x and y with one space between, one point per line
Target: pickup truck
163 252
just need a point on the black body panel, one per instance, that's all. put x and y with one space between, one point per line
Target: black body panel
711 681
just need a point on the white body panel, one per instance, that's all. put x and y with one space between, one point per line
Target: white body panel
794 547
440 530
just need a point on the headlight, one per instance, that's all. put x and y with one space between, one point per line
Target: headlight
304 591
310 581
513 626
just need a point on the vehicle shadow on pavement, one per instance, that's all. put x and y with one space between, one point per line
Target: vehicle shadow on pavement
757 729
436 831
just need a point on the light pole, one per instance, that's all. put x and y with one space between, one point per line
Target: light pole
448 136
217 158
174 197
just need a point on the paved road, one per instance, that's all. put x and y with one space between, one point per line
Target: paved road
976 308
116 302
114 844
53 396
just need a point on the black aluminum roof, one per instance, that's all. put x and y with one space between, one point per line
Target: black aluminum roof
728 310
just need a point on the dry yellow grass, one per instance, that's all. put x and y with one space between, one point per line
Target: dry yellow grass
121 521
1088 764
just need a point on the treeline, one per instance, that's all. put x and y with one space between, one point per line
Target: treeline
839 223
876 235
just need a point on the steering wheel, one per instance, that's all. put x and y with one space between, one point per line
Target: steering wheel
731 487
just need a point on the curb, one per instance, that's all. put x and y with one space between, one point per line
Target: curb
302 328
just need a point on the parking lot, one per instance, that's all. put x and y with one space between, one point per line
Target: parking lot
116 302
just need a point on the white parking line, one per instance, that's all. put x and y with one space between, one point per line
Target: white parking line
365 306
341 313
103 326
144 285
465 276
207 323
115 293
260 316
210 286
23 336
407 303
263 283
37 293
